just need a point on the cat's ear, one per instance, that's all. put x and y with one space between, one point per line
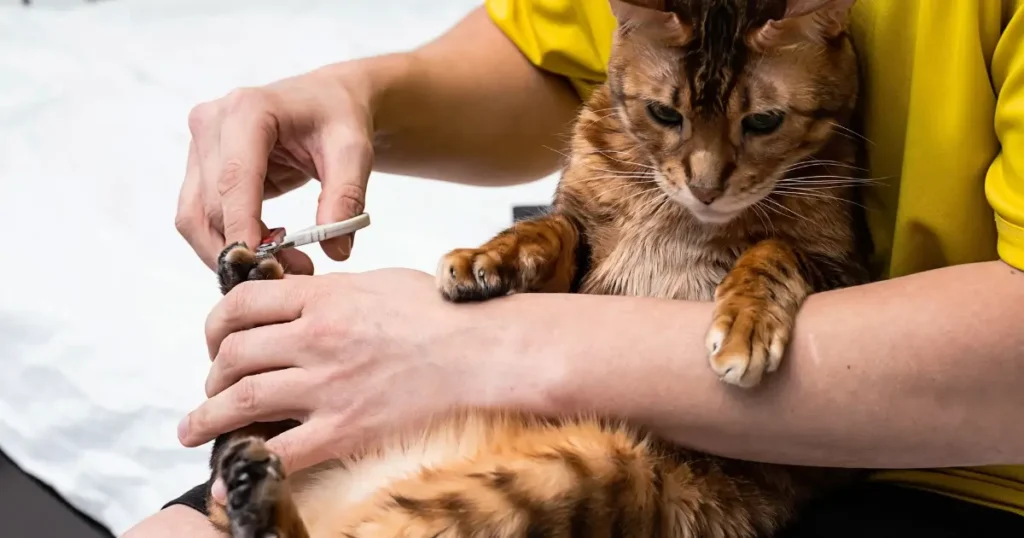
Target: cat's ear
650 19
804 20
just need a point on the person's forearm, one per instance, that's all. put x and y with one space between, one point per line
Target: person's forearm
920 371
467 107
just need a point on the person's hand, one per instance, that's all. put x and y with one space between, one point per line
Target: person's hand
258 143
352 356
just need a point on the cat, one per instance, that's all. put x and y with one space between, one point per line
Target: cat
716 163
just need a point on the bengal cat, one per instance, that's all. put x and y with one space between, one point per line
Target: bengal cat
717 163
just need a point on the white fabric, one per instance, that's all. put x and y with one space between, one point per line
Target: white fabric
102 304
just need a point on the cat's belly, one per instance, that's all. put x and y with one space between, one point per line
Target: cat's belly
648 265
326 493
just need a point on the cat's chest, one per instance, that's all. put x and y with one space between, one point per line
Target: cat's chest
658 260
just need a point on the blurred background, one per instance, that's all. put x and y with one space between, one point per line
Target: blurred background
102 304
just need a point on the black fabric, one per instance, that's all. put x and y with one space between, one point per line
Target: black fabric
195 498
872 510
30 508
882 510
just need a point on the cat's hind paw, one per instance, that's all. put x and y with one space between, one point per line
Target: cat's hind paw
237 263
254 481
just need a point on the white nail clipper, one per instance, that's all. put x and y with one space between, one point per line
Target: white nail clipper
277 240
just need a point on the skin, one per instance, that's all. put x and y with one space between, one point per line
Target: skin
866 372
426 113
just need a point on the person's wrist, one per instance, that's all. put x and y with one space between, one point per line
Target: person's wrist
513 356
372 82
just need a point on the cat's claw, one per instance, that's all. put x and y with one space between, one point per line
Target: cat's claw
475 275
747 340
237 263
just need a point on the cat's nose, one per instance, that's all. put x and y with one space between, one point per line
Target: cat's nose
706 194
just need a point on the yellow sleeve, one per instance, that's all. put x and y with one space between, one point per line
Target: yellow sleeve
1004 183
571 38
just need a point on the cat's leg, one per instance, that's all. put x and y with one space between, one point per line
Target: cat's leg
259 502
552 491
537 255
755 308
580 482
237 264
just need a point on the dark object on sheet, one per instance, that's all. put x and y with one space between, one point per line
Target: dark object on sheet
31 509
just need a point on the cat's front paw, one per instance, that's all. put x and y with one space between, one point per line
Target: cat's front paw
253 478
477 274
237 264
747 339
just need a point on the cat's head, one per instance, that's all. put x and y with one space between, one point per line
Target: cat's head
721 96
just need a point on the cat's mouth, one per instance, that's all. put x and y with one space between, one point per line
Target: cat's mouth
720 211
710 215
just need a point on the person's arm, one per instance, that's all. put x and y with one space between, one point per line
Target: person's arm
467 107
920 371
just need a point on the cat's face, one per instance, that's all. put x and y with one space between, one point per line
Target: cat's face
722 96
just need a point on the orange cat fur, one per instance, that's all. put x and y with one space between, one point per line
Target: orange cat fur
715 164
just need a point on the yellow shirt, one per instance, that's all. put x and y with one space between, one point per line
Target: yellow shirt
944 95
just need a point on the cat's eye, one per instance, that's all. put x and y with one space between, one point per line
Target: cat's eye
664 115
763 123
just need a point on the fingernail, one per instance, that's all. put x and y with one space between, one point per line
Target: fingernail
183 428
218 491
344 247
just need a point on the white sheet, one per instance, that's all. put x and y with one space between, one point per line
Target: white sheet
101 303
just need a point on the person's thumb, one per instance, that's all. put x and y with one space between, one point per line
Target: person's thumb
299 448
347 164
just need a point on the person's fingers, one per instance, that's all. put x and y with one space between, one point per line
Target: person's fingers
192 219
246 137
294 262
252 304
284 176
268 397
347 162
251 352
306 445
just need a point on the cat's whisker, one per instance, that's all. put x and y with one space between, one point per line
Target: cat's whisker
766 220
770 208
601 118
817 196
654 204
825 185
812 160
618 188
843 129
803 180
827 176
617 176
641 165
802 166
642 192
782 206
617 172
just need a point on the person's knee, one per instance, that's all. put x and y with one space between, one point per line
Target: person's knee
174 522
